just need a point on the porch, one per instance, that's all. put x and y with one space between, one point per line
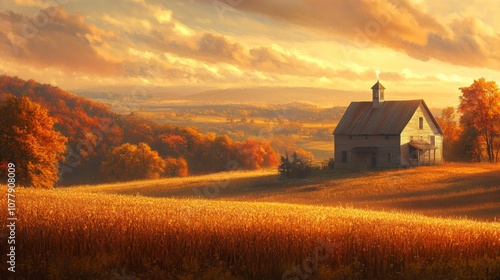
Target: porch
422 153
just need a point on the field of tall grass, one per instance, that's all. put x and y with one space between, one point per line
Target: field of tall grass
450 190
73 234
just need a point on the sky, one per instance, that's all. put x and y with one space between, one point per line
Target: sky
416 46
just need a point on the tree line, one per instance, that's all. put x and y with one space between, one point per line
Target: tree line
471 132
51 134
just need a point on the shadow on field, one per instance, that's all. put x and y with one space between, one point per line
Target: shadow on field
458 184
473 195
486 213
228 187
220 189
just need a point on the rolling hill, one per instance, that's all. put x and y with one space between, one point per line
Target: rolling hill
323 97
278 95
133 231
451 190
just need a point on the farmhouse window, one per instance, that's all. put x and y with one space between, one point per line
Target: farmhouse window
344 156
420 123
432 139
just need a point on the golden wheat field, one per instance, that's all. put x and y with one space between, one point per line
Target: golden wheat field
88 232
451 190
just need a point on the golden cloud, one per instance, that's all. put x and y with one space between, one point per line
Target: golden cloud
53 38
395 24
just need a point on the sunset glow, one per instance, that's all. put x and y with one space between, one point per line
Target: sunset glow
419 46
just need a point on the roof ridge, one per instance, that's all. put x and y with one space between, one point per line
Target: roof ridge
390 118
411 100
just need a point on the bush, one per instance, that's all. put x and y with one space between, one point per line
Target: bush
297 168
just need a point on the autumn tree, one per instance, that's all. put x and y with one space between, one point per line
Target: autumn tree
255 154
132 162
176 167
28 139
137 129
469 143
172 145
220 152
480 105
451 134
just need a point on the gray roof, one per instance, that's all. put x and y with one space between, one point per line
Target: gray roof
389 119
378 85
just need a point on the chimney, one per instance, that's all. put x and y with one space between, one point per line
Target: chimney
378 94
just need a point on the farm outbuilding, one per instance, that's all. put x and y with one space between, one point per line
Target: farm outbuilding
379 134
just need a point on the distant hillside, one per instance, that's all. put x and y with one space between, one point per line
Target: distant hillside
324 97
93 130
169 93
75 115
279 95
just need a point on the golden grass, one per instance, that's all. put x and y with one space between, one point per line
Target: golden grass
451 190
131 231
447 190
70 234
192 186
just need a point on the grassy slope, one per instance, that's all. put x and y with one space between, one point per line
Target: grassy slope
107 231
66 234
448 190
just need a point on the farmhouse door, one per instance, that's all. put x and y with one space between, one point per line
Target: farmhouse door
374 160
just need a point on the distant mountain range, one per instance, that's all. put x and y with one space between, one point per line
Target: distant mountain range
254 95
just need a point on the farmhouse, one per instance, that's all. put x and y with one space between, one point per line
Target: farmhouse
381 134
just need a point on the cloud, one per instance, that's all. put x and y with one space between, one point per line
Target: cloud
168 34
217 49
53 38
400 25
29 3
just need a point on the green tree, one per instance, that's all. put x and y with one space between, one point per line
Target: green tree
28 139
132 162
480 105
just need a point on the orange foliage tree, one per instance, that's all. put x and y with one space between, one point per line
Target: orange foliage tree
255 154
173 145
451 134
132 162
220 152
176 167
480 107
28 139
137 129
